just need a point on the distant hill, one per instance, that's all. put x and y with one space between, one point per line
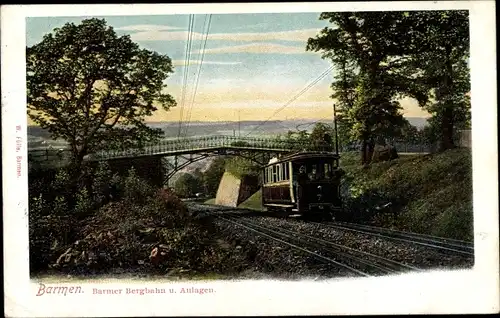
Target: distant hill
418 122
243 128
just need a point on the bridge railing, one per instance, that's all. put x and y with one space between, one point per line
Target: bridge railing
195 143
174 146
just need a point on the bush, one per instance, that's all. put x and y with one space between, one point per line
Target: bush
163 222
240 167
187 185
429 194
84 203
213 175
135 189
87 237
102 183
48 236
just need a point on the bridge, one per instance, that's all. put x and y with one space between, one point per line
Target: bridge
184 151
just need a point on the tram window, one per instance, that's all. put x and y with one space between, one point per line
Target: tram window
274 174
285 171
278 172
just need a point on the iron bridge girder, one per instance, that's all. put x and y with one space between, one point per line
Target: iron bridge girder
259 157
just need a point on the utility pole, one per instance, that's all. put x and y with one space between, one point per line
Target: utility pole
239 124
335 127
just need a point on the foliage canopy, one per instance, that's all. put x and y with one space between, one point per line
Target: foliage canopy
94 89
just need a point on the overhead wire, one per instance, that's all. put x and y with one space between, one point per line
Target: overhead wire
187 58
305 89
203 45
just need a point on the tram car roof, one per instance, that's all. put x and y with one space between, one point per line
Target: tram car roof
304 155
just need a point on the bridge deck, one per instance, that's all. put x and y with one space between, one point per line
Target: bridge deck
186 146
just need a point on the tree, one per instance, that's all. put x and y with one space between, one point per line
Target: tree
365 46
187 185
321 137
410 133
95 89
213 175
296 140
440 63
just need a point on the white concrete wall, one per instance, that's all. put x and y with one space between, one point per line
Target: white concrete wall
228 191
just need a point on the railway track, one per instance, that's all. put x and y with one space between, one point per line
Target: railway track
438 243
453 246
355 261
343 256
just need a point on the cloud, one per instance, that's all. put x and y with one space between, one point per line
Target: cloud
253 26
294 36
147 27
195 62
260 48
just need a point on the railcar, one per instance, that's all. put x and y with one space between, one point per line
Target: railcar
304 183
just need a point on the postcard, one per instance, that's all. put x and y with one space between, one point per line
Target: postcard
250 159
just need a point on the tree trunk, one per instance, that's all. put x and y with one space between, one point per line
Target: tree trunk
363 151
76 165
447 129
448 112
371 148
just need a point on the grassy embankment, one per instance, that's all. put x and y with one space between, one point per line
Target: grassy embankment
429 194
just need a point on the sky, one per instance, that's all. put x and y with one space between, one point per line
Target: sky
253 67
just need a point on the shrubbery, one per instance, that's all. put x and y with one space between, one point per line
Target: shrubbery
428 194
59 204
240 167
119 223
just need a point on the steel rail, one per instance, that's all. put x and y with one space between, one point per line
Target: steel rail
419 235
411 238
329 260
388 262
385 265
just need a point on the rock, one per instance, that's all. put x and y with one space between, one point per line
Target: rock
55 245
384 153
83 257
148 235
154 257
67 258
158 254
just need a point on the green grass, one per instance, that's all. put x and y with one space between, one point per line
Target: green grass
254 202
240 167
430 194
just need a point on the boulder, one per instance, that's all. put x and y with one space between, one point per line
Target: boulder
158 254
384 153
